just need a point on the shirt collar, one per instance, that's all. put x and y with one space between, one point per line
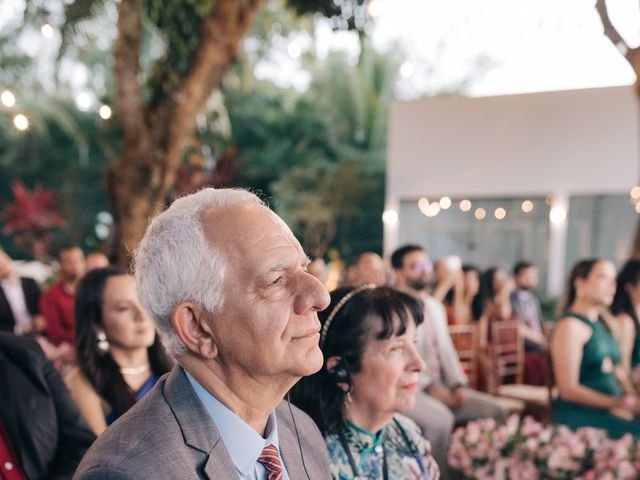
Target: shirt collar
243 443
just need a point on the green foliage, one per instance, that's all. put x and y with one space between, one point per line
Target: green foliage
344 14
177 22
318 156
49 155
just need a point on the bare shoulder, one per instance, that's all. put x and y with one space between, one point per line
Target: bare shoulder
572 328
626 322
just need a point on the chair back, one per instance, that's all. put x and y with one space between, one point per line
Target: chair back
464 341
507 347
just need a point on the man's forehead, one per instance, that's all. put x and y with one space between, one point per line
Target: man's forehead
247 227
416 256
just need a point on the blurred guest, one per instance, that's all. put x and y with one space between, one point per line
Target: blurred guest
443 398
369 268
586 358
119 355
497 291
526 307
449 287
496 286
226 283
19 298
626 306
472 300
56 304
318 268
469 307
370 375
42 434
447 277
96 259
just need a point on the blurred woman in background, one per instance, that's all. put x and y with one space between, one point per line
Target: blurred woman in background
594 390
118 352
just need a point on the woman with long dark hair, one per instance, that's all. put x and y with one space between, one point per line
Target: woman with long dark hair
371 373
586 357
626 306
464 302
118 352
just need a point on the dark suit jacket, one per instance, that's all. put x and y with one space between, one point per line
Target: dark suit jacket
31 296
43 423
169 434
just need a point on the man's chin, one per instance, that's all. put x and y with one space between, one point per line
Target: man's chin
311 363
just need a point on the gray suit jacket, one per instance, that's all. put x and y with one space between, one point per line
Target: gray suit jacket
169 434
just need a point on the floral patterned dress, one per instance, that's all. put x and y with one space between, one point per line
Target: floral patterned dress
399 446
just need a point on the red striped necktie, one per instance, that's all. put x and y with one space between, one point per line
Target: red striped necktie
270 460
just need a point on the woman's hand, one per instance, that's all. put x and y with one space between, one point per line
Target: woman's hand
627 407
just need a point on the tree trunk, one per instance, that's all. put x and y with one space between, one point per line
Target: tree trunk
141 178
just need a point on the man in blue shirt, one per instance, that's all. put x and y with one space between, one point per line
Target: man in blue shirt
226 283
526 308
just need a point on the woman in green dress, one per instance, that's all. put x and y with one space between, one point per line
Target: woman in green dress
626 306
594 389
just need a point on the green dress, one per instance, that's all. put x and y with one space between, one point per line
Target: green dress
597 352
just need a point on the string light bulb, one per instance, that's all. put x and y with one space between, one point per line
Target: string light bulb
527 206
105 112
21 122
465 205
7 98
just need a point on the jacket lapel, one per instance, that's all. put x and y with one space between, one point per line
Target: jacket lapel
289 447
198 429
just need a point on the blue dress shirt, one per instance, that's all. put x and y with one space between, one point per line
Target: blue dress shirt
243 443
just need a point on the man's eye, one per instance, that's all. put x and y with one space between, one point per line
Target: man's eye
277 281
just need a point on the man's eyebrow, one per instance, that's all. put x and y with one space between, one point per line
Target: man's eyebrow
278 267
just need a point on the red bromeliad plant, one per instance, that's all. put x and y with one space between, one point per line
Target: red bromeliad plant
31 217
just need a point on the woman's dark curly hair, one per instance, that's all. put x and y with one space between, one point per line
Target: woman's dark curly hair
373 313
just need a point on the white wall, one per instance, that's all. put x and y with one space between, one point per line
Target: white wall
580 141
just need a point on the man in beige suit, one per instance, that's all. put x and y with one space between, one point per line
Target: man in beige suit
225 281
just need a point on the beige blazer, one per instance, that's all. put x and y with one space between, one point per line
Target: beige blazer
169 434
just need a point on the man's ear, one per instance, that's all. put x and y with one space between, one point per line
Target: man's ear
191 323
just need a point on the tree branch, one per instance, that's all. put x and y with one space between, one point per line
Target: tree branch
220 35
127 56
612 32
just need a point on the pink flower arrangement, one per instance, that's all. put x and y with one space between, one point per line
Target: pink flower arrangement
527 449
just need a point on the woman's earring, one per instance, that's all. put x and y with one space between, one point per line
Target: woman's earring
348 399
103 343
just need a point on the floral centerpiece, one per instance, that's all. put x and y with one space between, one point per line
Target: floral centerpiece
527 449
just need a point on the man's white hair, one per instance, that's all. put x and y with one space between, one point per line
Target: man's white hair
175 262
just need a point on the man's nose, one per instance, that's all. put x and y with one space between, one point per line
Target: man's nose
311 295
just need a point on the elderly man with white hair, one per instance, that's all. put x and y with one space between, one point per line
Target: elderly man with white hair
226 283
